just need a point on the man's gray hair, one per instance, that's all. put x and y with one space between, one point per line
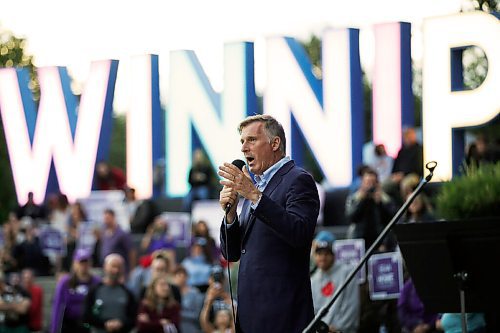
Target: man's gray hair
272 127
114 256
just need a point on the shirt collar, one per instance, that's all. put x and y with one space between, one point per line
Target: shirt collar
263 180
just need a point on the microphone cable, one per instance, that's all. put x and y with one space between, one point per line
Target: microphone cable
228 270
239 164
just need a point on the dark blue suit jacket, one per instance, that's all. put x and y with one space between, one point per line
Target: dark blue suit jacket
273 245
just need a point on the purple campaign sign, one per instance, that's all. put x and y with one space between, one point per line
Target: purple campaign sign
52 241
86 235
179 227
385 275
350 252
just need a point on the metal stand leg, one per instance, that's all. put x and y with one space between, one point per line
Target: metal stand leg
462 279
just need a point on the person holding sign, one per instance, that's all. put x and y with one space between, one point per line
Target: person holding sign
330 275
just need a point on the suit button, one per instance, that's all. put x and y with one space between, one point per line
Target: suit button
243 251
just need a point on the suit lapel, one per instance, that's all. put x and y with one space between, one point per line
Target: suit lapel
271 186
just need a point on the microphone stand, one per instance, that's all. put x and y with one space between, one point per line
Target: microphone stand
317 325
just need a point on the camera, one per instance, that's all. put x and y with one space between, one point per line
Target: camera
371 190
217 274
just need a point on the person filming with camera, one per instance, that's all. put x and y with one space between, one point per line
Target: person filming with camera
216 314
368 210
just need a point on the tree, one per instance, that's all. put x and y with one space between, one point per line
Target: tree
12 54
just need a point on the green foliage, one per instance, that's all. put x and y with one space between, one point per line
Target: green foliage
474 194
486 5
12 54
118 137
7 193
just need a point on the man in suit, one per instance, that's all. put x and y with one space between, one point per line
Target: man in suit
272 235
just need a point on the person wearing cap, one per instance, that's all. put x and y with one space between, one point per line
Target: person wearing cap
70 293
330 275
325 236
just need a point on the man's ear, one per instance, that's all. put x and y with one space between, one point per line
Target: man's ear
275 143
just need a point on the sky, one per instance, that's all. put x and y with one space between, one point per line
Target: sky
73 33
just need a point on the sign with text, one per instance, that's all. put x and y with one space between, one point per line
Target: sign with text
178 227
98 201
350 252
325 114
52 242
385 275
210 212
86 235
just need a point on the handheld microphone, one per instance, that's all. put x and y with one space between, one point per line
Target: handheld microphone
239 164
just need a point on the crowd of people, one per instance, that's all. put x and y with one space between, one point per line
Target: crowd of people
117 286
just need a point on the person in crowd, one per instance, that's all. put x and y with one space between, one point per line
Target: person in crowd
381 162
76 218
131 203
215 316
480 152
192 302
408 161
115 240
108 177
322 236
200 178
11 238
160 266
158 238
28 253
413 316
420 210
200 229
70 293
158 312
452 323
31 209
198 264
35 292
368 210
109 305
408 184
409 158
14 308
330 275
59 212
356 183
272 235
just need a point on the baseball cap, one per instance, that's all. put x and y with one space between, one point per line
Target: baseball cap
324 245
82 254
325 236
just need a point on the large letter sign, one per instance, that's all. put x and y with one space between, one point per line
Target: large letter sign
192 104
392 91
326 113
144 128
446 109
57 132
329 117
